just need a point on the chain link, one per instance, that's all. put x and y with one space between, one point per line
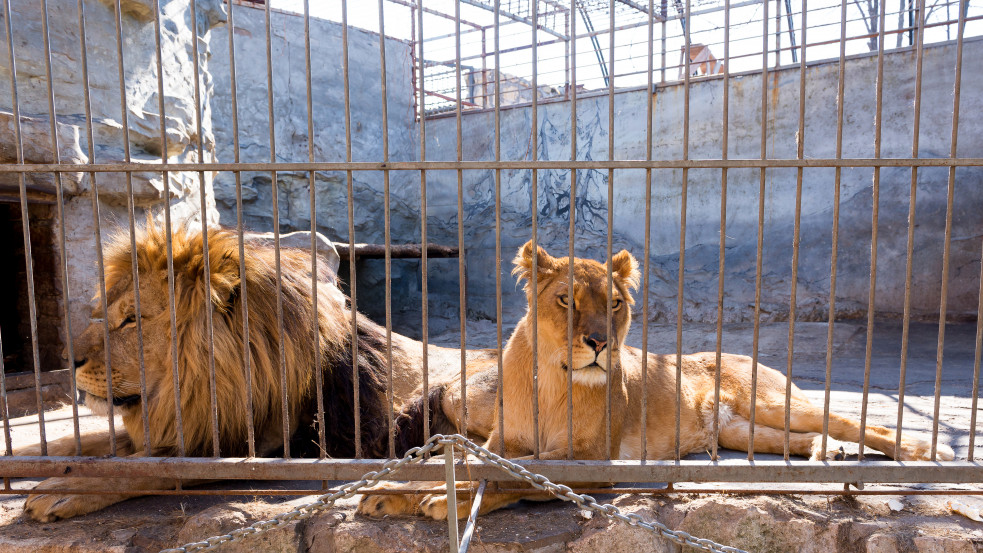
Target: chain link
416 454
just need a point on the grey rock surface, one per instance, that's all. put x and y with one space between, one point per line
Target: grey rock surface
111 142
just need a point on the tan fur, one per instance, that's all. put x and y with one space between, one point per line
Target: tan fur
549 283
309 343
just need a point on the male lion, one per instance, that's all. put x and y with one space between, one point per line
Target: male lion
331 354
592 348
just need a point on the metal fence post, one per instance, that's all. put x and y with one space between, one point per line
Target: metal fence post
451 496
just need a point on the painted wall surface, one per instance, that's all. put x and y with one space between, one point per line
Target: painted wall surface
627 214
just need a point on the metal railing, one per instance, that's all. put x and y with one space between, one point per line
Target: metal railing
182 467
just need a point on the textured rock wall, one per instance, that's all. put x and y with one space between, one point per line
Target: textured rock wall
178 29
704 191
291 143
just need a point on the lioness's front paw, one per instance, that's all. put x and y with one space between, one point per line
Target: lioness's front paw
52 507
834 450
379 506
921 450
435 507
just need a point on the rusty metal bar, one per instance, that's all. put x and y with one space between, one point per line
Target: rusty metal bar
682 233
209 307
875 213
834 251
274 186
246 350
504 164
721 253
951 187
909 260
762 181
451 481
425 251
915 472
351 225
534 199
387 230
797 226
25 227
63 266
571 253
500 399
312 198
96 216
649 115
976 372
609 308
461 261
8 443
473 517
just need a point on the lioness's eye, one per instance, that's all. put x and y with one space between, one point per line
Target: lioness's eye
616 305
563 300
128 321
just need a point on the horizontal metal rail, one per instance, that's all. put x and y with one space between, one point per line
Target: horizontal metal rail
193 468
470 165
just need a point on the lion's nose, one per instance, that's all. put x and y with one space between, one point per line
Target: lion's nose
596 341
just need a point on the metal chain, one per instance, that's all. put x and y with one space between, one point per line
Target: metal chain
416 454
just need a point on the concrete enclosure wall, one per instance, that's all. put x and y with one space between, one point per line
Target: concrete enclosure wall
627 212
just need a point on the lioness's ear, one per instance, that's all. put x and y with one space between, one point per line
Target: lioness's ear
625 267
523 262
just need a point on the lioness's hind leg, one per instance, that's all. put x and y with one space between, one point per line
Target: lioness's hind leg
734 434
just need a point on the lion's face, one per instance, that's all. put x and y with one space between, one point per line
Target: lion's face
595 344
124 344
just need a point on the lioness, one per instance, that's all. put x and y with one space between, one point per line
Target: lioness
592 347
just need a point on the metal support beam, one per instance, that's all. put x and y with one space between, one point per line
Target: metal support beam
513 17
472 518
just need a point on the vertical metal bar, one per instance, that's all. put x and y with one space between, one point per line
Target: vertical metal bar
662 35
209 308
682 233
246 350
26 229
976 363
573 219
649 115
472 518
840 101
451 493
484 70
944 293
118 21
59 195
800 150
461 260
312 184
425 308
498 226
610 232
285 412
4 414
351 224
762 181
96 216
876 192
165 176
566 52
534 196
778 33
721 254
387 229
909 260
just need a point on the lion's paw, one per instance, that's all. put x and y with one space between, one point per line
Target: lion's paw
921 450
378 506
435 507
52 507
834 450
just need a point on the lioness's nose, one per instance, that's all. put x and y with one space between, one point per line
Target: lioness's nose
596 341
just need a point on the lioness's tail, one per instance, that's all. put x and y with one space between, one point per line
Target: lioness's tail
409 421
